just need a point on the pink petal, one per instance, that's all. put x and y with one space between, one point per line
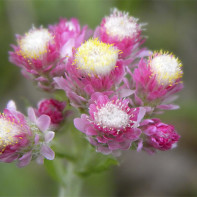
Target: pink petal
168 107
49 136
80 123
60 81
43 122
140 145
67 48
36 139
47 152
31 114
40 160
11 105
90 131
125 145
145 53
145 122
25 159
9 159
113 145
125 92
104 150
141 114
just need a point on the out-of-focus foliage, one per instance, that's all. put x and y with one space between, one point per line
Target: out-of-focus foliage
171 26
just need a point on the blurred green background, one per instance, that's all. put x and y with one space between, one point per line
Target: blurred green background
171 25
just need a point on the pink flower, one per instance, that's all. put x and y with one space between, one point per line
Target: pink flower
95 68
24 139
123 31
53 108
160 136
15 135
157 78
111 124
43 136
37 53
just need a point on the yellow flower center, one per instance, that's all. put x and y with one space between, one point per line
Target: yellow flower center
95 57
166 67
8 129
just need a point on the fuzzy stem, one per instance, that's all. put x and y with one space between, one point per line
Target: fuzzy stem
73 183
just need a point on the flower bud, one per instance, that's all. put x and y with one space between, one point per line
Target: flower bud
53 108
161 136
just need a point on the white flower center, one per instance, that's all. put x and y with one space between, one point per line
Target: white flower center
34 43
121 25
95 57
167 69
8 130
112 116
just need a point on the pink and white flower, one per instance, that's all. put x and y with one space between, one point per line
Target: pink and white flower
111 124
158 78
37 54
95 68
43 136
15 135
160 136
21 140
123 31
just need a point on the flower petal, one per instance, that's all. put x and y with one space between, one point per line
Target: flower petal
25 159
168 107
80 123
43 122
49 136
47 152
126 92
140 145
31 114
11 105
40 160
141 114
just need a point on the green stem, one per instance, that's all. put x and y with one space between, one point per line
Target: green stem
73 183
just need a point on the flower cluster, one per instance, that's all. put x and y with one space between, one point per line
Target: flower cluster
116 84
24 138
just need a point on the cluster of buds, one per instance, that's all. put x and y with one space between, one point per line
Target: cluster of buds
115 83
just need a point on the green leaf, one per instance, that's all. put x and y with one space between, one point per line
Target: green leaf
99 165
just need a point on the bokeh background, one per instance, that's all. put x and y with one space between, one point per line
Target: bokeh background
171 25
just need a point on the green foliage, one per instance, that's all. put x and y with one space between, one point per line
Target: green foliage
54 169
99 164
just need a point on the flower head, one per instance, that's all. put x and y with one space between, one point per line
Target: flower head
95 57
160 136
122 30
22 140
122 25
40 126
37 54
111 125
34 44
166 68
95 68
158 78
53 108
15 134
